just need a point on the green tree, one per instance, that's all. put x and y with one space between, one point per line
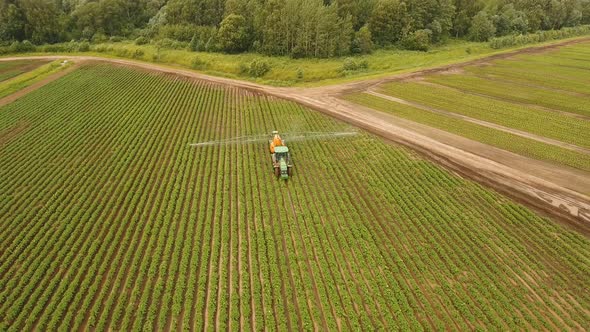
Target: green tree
482 28
465 10
233 34
12 23
390 22
509 20
363 41
42 21
418 40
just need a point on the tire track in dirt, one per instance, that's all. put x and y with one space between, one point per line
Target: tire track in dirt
517 132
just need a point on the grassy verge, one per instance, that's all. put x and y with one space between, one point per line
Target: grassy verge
499 139
29 78
543 123
286 71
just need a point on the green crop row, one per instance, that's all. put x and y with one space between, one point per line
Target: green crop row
542 80
112 222
540 122
570 69
516 92
507 141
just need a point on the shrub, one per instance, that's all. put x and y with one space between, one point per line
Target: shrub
300 74
84 46
27 46
418 40
22 47
541 36
141 40
256 68
116 39
198 63
350 65
172 44
99 38
138 53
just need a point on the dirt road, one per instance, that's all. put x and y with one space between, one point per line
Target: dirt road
558 191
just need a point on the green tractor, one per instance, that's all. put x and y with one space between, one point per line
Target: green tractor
281 162
281 159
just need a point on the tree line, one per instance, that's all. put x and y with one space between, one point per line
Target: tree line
298 28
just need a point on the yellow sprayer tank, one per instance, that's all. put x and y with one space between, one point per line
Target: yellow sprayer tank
276 141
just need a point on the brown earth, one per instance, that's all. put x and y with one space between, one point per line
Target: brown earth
554 190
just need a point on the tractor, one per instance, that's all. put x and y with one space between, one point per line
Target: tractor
281 159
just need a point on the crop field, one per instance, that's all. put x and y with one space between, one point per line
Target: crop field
545 96
10 69
110 220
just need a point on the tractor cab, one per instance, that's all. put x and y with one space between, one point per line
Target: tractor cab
282 162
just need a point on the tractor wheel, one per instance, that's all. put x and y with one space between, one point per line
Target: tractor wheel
290 171
277 171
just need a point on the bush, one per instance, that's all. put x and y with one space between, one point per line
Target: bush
116 39
197 63
418 40
350 65
300 74
99 38
27 46
256 68
141 41
172 44
84 46
138 53
22 47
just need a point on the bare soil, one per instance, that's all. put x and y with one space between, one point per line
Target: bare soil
557 191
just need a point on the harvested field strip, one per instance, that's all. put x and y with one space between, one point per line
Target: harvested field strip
542 80
548 124
516 92
112 221
10 69
570 62
28 78
506 141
